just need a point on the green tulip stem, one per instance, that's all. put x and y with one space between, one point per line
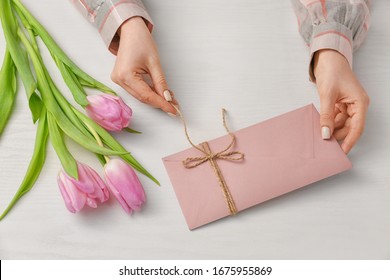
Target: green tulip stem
97 137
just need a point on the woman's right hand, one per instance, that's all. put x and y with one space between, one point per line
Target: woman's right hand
137 55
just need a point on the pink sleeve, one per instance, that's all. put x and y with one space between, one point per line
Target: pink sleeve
108 15
340 25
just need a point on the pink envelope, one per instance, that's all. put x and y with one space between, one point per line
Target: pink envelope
282 154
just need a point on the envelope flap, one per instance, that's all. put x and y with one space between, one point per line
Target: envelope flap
288 135
285 136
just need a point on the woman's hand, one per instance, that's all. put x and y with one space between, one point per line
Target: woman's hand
137 56
344 102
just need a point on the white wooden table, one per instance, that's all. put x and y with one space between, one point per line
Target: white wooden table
219 53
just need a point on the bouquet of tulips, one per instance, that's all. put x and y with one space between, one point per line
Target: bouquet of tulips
56 118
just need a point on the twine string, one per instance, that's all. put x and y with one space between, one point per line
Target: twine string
209 156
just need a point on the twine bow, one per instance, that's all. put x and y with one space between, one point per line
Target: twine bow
209 156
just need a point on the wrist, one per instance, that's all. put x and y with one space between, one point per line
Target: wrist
329 60
131 23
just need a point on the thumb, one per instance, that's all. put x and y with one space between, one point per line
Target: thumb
327 116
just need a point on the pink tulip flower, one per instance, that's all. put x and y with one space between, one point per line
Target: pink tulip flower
89 189
109 111
124 185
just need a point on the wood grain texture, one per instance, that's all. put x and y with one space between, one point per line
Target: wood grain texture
245 56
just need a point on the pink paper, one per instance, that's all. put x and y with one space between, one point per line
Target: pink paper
282 154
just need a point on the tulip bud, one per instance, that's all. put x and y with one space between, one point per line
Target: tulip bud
88 189
124 185
109 111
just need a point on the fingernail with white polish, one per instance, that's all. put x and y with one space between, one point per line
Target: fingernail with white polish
167 95
171 115
325 132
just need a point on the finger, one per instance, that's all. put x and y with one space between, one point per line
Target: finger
341 133
340 120
355 131
159 82
141 90
174 101
342 107
171 95
327 115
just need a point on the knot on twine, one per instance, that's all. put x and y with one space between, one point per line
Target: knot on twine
209 156
192 162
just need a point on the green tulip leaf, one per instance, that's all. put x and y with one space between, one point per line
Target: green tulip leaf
100 86
66 107
56 50
73 83
101 159
18 54
8 89
35 104
130 130
67 160
36 163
